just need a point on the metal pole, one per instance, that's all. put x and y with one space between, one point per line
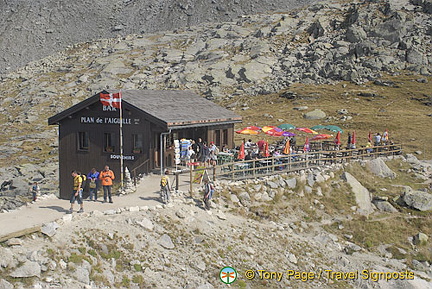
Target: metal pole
162 149
121 145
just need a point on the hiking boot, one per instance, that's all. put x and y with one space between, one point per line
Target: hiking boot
104 201
70 211
111 201
81 210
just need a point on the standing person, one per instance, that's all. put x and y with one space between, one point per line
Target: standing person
93 177
35 191
200 145
214 151
165 187
76 192
190 154
377 139
106 177
208 193
349 141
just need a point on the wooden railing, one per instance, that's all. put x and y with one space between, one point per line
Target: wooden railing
295 162
135 171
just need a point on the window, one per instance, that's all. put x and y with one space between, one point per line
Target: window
137 144
83 141
109 142
225 137
218 137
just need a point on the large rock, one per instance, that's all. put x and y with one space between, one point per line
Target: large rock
166 242
379 168
420 239
50 229
28 269
384 206
421 201
362 195
146 224
291 183
315 114
7 259
5 284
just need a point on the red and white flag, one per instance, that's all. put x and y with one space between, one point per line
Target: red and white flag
111 99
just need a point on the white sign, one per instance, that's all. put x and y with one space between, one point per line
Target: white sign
107 120
126 158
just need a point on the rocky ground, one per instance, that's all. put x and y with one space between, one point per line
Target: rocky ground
254 56
30 30
307 222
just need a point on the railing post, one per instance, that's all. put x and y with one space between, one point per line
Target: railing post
190 180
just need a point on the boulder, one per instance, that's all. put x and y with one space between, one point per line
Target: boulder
146 224
272 185
421 201
166 242
291 183
355 34
362 195
315 114
50 229
420 239
5 284
379 168
28 269
384 206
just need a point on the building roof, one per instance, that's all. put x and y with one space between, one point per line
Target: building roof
170 108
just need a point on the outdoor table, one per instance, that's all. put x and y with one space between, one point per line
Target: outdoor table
241 166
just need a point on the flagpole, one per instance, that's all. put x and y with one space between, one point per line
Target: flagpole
121 143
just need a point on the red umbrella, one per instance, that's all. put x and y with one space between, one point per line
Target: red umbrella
266 150
241 154
353 138
370 137
306 145
306 130
337 139
287 148
321 136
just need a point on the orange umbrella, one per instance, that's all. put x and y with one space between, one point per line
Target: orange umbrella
306 130
370 137
287 148
241 154
267 128
247 131
337 139
321 136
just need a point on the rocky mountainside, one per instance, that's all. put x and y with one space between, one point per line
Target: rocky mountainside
32 29
256 55
312 228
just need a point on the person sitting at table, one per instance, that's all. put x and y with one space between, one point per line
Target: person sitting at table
248 144
248 156
369 147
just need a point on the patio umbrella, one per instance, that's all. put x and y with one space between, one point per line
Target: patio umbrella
241 154
267 128
286 126
266 150
317 127
253 127
306 130
334 128
337 139
306 145
287 148
370 137
279 133
321 136
247 131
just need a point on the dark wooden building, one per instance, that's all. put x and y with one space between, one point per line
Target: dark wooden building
89 132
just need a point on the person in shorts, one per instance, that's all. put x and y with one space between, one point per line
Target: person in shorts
76 192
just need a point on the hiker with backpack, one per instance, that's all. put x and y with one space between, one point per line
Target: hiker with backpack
165 188
208 193
76 192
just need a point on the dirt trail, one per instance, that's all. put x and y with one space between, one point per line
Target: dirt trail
49 210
